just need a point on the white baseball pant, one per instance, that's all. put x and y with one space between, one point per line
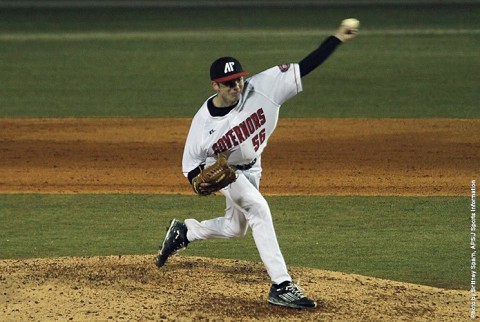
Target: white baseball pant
245 206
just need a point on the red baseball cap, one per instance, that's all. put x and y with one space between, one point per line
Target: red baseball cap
225 69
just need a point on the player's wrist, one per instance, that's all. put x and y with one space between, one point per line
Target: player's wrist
339 37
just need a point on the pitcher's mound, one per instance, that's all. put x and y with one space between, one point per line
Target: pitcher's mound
132 288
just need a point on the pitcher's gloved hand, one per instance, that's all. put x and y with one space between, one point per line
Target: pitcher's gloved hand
214 178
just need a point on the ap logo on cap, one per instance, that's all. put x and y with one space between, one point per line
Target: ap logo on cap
229 67
226 68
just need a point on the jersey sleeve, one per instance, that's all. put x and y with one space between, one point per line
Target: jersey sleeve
193 154
279 83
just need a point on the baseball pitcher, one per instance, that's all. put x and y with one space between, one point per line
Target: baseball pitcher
223 153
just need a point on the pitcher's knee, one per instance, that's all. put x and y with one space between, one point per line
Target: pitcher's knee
262 206
236 231
260 210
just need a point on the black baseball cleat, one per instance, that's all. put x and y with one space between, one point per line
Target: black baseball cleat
290 295
175 240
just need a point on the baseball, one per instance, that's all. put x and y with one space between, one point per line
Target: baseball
351 23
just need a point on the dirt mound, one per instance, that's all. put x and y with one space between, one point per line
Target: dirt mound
131 288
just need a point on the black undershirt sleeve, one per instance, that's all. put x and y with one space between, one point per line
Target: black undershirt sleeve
319 55
195 172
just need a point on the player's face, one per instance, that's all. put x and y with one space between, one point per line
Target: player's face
229 92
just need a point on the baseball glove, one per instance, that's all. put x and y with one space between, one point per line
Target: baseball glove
214 178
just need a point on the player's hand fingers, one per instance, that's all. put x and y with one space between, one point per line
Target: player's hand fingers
348 29
204 189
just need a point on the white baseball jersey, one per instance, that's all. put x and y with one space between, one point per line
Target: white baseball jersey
243 133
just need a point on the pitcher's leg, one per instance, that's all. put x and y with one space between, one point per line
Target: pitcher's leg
233 224
257 212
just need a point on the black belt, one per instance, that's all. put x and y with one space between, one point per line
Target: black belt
244 167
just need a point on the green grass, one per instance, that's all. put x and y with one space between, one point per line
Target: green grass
38 20
419 240
409 61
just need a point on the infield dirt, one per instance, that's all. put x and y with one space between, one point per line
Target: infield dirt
421 157
424 157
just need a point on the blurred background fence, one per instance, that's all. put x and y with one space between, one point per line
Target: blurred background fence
215 3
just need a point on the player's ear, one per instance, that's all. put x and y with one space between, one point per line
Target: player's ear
215 86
